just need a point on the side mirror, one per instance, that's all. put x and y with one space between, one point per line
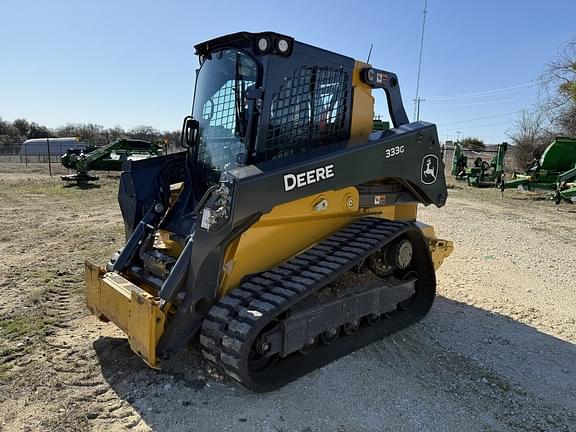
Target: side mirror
189 134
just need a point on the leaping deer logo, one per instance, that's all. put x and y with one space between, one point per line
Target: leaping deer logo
429 169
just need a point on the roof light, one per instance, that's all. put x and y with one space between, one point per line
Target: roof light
263 44
283 46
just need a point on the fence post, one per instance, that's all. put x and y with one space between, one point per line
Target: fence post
49 161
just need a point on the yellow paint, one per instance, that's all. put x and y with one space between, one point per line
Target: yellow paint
362 107
400 212
111 297
292 227
439 249
287 230
163 242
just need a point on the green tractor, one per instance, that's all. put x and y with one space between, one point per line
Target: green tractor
555 171
106 158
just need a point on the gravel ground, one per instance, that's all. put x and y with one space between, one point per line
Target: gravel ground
496 353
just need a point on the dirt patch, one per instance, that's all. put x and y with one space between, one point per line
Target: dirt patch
495 354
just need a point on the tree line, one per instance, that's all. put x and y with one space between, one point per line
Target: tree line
554 113
15 132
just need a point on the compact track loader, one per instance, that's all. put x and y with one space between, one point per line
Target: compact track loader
285 235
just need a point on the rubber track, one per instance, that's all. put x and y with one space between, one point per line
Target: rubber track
236 320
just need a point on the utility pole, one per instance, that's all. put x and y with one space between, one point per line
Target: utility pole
417 98
458 138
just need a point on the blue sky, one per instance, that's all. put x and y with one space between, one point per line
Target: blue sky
132 62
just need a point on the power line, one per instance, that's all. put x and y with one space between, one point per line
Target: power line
475 126
480 118
448 136
481 103
417 98
486 93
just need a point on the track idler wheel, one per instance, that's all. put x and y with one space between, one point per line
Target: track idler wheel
330 336
259 361
259 358
395 256
351 327
374 318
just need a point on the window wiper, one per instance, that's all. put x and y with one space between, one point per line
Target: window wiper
238 105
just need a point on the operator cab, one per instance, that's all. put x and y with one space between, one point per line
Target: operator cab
235 123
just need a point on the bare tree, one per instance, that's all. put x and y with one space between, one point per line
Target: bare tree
115 133
39 131
22 125
473 143
559 91
530 137
85 131
8 133
144 132
13 133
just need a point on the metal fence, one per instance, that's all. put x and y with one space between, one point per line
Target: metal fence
14 158
16 153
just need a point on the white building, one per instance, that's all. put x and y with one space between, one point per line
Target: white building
58 146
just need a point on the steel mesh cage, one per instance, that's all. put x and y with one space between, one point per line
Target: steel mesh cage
220 140
308 112
220 135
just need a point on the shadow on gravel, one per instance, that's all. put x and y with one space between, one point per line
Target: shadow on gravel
462 368
82 186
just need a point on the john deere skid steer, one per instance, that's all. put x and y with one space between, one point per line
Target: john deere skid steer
285 235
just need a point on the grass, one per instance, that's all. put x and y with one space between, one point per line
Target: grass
18 336
54 187
37 294
42 281
64 225
30 326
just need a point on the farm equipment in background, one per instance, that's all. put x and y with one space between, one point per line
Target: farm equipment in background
285 235
554 171
109 157
380 125
482 173
488 174
459 162
566 187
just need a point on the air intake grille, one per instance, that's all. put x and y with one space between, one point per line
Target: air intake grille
308 112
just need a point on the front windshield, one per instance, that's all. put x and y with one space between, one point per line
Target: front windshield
221 110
